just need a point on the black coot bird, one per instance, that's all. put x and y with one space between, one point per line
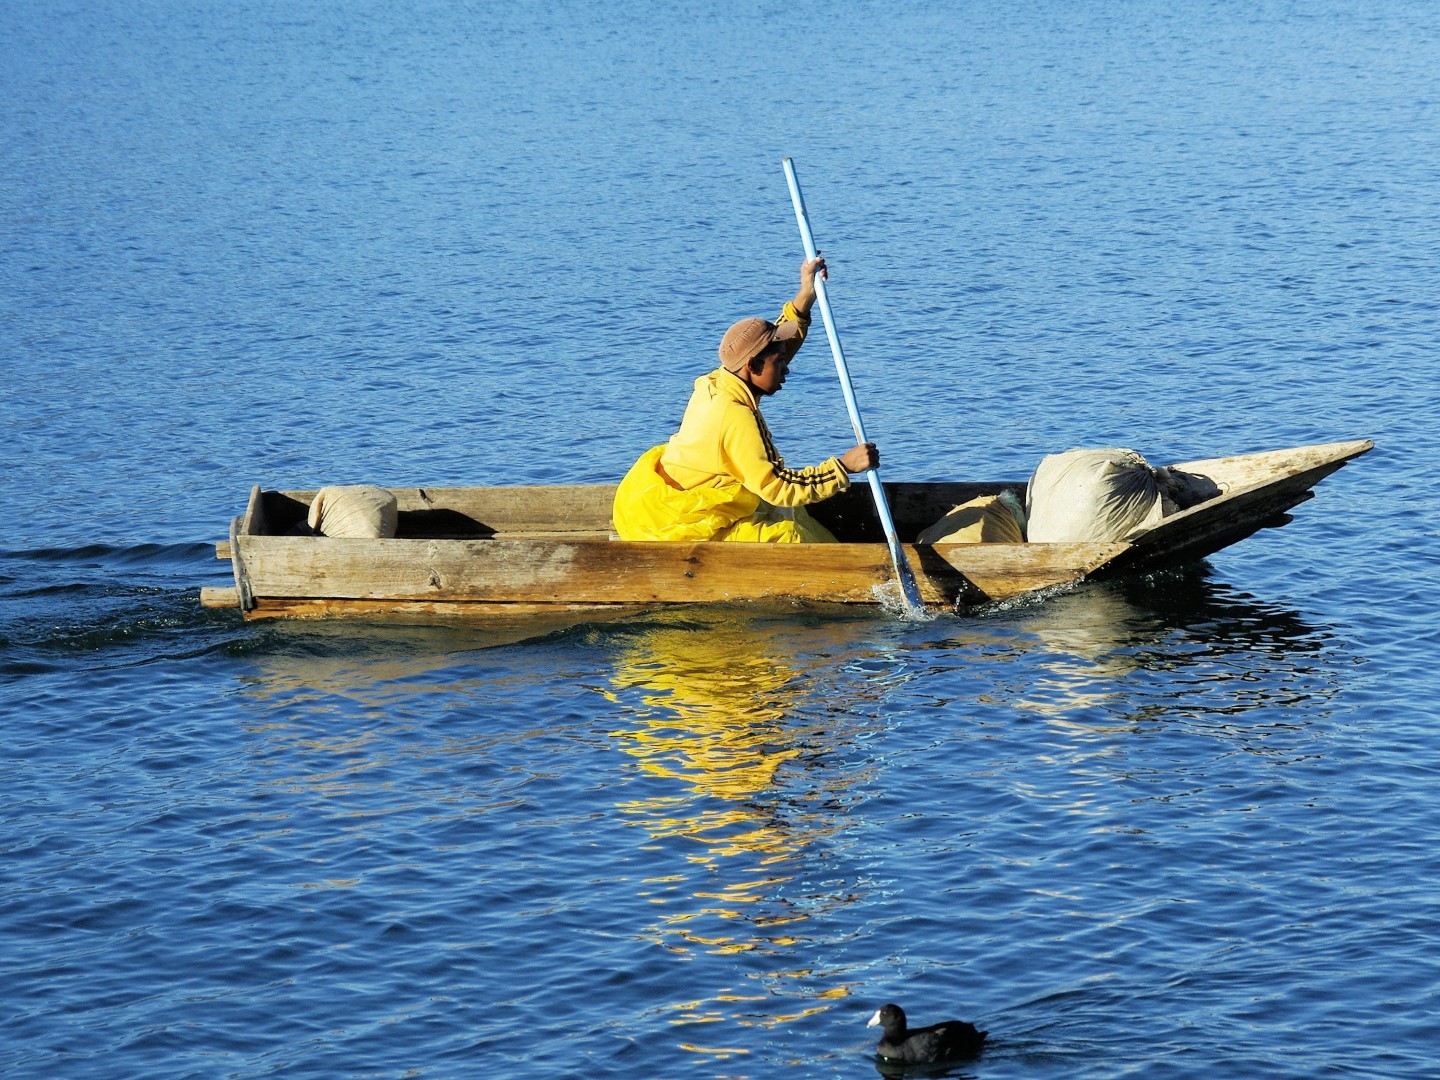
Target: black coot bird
949 1041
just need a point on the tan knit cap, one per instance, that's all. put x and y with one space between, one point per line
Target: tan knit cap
748 338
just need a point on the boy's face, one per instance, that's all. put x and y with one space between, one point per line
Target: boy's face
775 366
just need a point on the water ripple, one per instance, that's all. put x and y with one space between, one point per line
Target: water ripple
1173 826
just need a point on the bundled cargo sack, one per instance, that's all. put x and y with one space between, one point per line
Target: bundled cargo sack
358 511
988 519
1095 495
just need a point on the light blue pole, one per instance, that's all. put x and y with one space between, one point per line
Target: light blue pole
903 573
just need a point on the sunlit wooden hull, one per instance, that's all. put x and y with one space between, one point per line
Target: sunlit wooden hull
487 552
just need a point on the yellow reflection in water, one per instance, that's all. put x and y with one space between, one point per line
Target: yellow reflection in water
744 795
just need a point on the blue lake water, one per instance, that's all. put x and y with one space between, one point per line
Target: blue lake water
1170 827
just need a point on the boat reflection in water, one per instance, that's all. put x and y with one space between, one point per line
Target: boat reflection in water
1243 658
737 748
1104 658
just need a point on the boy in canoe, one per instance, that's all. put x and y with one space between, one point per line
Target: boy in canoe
720 476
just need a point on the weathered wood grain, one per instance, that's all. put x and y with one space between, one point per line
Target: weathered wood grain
608 572
515 550
428 610
1257 490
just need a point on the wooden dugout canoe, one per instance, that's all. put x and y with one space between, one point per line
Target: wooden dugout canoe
485 552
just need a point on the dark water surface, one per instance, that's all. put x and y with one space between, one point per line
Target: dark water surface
1173 827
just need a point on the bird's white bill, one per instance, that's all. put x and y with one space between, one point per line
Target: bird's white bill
874 1020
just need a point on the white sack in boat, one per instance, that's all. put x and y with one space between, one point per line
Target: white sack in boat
988 519
1095 495
356 511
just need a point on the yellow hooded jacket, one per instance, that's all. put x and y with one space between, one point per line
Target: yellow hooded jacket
720 476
